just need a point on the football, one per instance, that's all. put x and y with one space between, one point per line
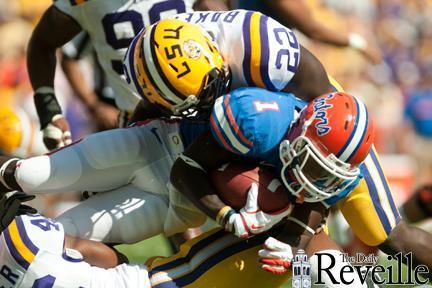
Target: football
232 182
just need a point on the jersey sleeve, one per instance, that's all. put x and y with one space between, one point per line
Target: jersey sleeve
271 52
225 127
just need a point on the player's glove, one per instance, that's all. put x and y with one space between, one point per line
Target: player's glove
56 134
250 219
11 206
55 128
276 256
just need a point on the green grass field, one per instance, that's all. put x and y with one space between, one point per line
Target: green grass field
158 246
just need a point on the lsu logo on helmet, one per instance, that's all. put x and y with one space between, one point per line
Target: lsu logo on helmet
176 66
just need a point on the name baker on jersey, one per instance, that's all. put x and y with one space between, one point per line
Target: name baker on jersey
320 110
228 17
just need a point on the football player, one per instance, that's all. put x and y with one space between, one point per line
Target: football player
35 252
111 26
257 61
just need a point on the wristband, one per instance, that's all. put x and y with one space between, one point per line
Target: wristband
47 105
357 41
224 214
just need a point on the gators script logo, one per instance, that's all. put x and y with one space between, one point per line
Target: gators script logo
320 109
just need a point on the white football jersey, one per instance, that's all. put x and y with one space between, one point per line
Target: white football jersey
32 254
21 243
260 51
112 24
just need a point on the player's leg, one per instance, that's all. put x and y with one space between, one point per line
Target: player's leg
123 215
202 261
99 162
372 214
369 208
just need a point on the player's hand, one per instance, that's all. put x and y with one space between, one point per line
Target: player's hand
57 133
251 219
366 47
11 206
276 256
106 116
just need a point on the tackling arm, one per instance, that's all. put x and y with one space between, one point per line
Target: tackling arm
210 5
53 30
304 222
407 239
96 253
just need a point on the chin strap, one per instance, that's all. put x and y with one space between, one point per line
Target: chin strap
303 225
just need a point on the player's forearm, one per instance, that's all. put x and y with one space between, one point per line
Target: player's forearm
328 36
303 223
210 5
41 63
53 30
79 85
195 185
407 239
96 253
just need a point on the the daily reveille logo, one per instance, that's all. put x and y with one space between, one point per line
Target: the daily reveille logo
364 267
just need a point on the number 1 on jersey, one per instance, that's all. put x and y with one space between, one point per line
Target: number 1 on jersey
265 106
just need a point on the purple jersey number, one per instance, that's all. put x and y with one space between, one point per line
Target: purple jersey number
45 224
135 19
282 35
44 282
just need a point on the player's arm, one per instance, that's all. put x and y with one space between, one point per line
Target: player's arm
96 253
310 79
105 115
53 30
210 5
304 222
189 173
295 13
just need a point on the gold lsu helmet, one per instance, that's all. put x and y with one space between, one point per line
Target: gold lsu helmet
11 130
176 66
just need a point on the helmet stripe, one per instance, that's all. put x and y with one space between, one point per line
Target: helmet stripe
130 55
356 137
155 71
144 68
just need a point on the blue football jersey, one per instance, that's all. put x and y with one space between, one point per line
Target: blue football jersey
252 122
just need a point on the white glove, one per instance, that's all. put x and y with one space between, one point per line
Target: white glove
57 133
276 256
251 219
